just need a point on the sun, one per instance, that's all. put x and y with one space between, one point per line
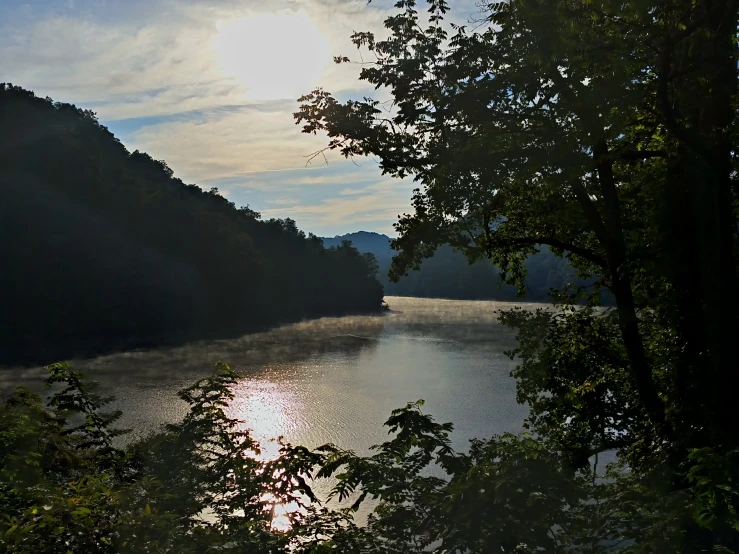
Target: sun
272 55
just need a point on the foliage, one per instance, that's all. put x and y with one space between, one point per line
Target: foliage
67 484
605 132
116 251
194 486
524 132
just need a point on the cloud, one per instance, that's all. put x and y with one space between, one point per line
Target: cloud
156 58
113 63
282 201
357 177
150 70
221 145
381 202
350 192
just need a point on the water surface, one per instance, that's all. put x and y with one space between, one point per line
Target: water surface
333 379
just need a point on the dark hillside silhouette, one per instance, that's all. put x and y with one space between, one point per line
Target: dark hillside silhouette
103 248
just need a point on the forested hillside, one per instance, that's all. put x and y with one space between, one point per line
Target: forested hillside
448 274
104 248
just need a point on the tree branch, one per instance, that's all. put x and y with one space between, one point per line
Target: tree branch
592 215
625 305
573 249
636 155
668 112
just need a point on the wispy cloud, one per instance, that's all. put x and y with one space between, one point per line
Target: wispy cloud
351 192
240 142
150 69
380 203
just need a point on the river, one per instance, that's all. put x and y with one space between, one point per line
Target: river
333 379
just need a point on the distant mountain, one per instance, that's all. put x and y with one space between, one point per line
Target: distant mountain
366 241
448 274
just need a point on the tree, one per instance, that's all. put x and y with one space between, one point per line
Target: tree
116 252
605 131
562 124
67 484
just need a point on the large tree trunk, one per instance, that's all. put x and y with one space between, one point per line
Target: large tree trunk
613 242
718 229
698 113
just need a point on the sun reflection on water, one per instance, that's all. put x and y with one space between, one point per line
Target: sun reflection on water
268 412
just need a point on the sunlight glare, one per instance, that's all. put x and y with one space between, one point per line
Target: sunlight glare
272 55
267 414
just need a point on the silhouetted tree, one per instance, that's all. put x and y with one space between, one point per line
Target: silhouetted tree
104 248
605 131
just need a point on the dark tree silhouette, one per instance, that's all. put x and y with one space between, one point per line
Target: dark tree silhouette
103 248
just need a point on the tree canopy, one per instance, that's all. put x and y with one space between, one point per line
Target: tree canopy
606 132
105 248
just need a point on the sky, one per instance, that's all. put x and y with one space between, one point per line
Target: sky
209 86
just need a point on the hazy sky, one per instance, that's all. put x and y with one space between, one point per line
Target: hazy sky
209 86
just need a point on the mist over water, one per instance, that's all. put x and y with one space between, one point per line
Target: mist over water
333 379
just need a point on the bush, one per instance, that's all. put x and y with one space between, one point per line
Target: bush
70 483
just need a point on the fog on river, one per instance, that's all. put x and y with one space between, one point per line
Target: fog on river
333 379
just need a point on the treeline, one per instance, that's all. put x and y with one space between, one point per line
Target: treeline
104 248
448 274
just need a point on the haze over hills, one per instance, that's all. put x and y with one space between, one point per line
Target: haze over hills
448 274
106 248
